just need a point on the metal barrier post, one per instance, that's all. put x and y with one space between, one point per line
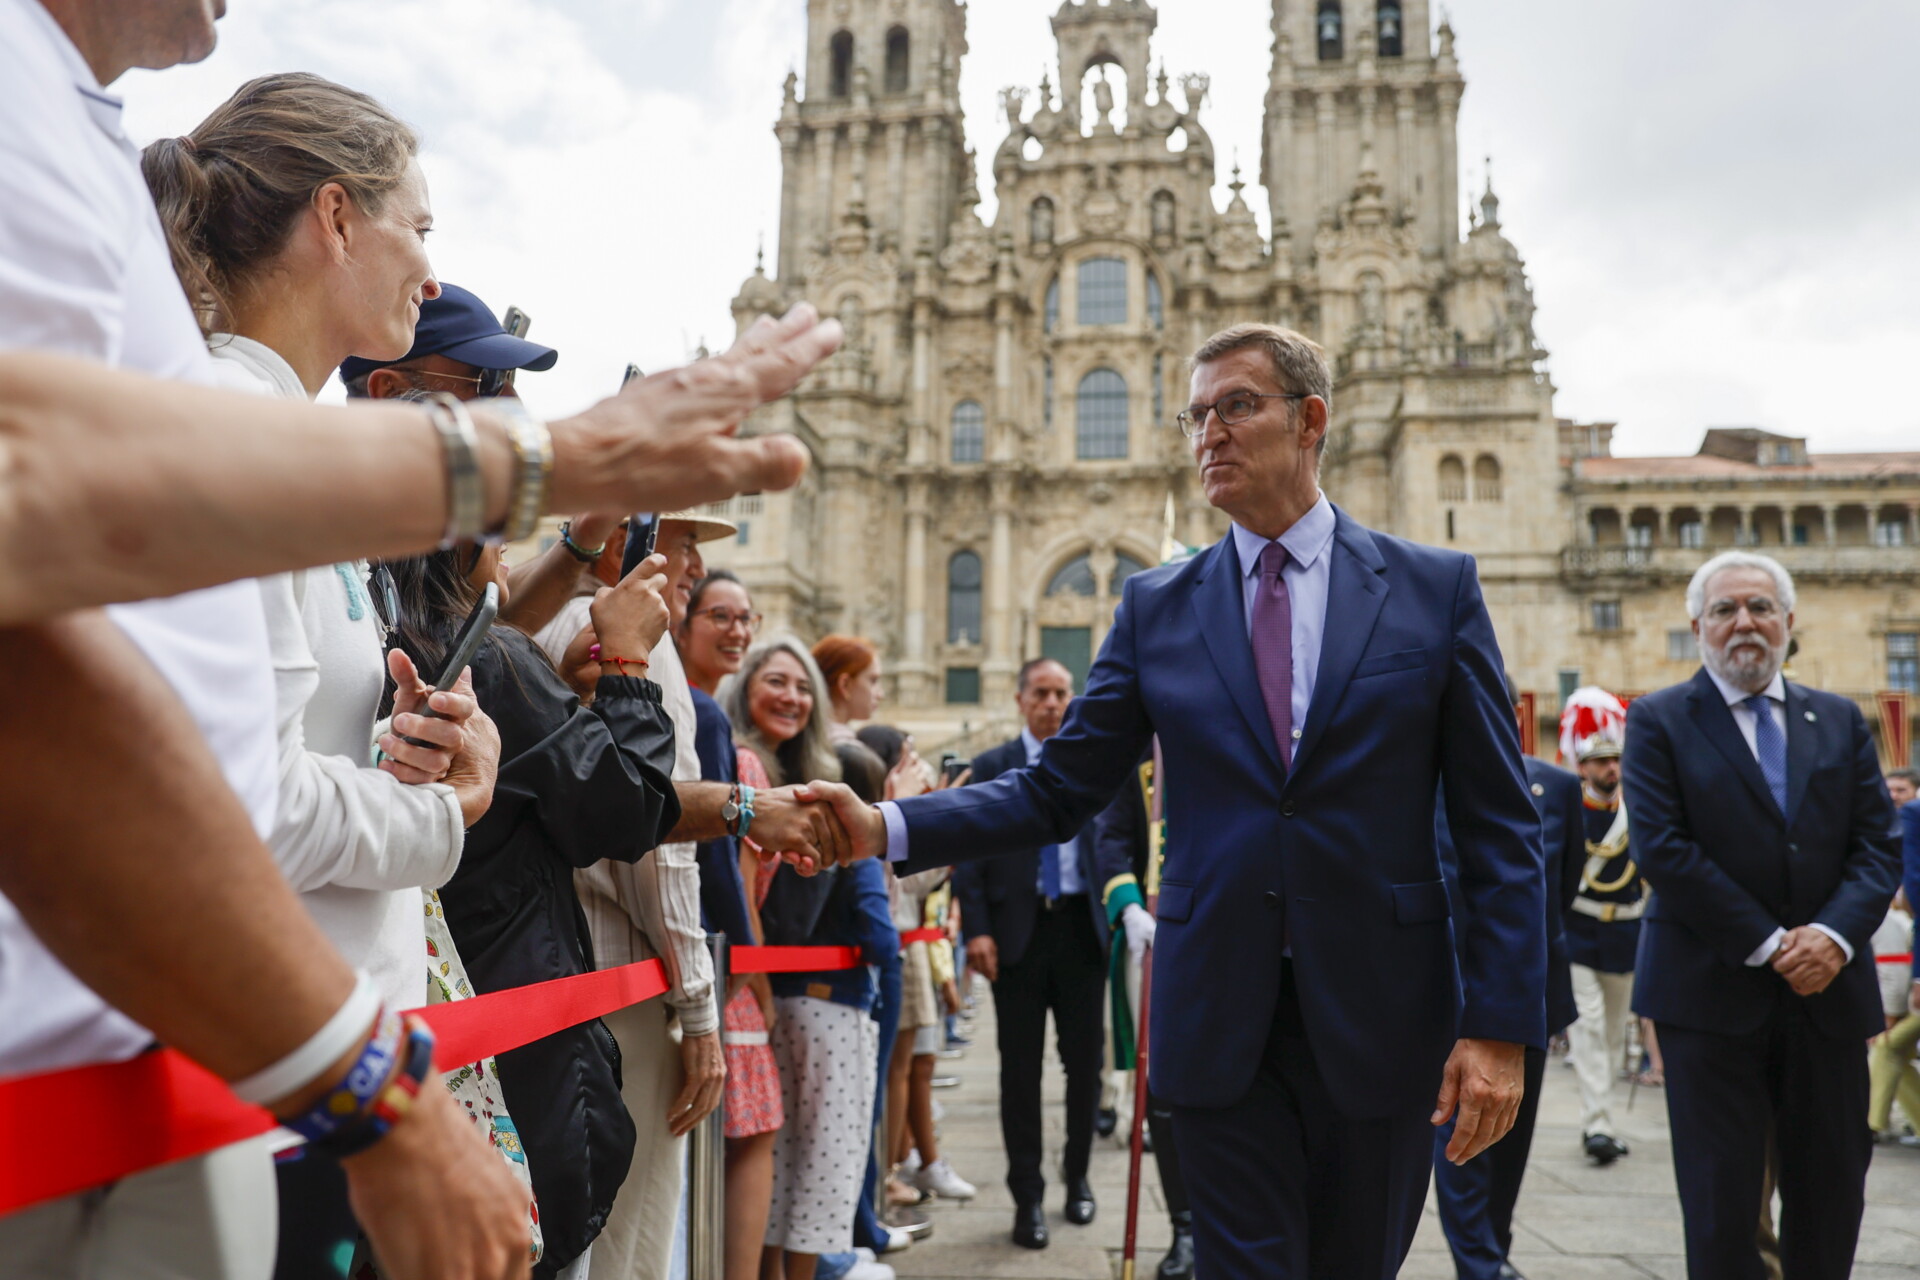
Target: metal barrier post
707 1161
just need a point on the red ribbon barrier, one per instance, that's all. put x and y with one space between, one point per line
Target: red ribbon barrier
87 1126
1906 959
928 934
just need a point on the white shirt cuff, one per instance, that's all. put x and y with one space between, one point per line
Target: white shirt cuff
1846 947
1765 951
896 831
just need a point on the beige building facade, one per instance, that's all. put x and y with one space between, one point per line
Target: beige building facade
994 445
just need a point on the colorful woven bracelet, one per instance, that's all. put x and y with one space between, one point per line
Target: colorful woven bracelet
341 1105
392 1103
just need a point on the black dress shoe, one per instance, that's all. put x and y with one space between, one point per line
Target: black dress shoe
1604 1148
1178 1264
1106 1122
1080 1205
1029 1226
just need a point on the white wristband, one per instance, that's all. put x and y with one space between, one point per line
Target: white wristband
326 1046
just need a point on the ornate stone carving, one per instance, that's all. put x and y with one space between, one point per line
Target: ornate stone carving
969 255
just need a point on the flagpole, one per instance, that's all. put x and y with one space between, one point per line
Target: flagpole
1136 1146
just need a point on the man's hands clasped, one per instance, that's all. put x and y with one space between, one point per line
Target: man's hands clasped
1809 960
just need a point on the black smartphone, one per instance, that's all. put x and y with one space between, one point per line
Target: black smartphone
633 371
465 645
516 322
952 766
643 530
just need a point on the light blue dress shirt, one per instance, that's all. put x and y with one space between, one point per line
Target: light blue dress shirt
1070 881
1309 543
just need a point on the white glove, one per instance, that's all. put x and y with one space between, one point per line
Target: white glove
1140 928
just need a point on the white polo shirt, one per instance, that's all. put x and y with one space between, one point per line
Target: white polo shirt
84 270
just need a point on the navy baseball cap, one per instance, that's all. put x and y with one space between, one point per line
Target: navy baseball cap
459 325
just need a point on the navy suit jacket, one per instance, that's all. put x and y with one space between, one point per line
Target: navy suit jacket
1727 867
998 896
1322 859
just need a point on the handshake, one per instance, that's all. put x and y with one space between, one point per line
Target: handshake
817 825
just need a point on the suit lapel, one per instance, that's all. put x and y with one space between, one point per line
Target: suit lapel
1711 713
1356 592
1221 611
1803 747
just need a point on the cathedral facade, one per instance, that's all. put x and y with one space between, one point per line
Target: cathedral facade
995 450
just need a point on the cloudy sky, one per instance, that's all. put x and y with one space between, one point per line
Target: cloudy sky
1716 199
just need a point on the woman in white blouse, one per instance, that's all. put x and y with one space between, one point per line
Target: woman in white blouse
296 215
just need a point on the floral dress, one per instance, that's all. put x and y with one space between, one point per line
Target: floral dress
753 1078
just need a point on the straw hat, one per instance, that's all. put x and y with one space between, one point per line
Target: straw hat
705 528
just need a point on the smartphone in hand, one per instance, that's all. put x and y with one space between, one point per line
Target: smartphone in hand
465 645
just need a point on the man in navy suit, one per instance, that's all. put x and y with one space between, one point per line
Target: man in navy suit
1312 1021
1037 928
1762 825
1476 1198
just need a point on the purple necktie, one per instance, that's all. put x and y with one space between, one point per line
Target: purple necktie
1273 647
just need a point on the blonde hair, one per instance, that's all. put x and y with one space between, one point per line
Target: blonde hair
229 192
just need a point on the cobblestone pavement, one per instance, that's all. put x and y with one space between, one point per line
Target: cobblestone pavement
1574 1222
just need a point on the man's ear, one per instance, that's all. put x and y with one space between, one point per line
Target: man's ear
1313 421
386 384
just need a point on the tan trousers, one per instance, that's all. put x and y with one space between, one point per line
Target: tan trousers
214 1217
1597 1039
638 1241
1894 1076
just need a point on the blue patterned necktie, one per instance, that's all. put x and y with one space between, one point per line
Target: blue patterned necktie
1273 647
1770 745
1050 871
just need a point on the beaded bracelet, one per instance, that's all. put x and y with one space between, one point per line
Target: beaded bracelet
341 1105
392 1103
585 555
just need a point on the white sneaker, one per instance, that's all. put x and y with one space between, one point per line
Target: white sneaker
939 1114
911 1165
940 1179
870 1271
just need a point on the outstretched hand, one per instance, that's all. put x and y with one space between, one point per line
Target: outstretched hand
865 829
804 831
1484 1080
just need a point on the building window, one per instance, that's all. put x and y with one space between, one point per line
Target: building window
751 504
969 431
1903 661
963 686
1606 615
1159 389
1693 534
1156 308
1640 535
1072 648
1074 578
1327 28
1390 39
840 58
1040 223
1569 681
963 598
1486 478
1100 416
1800 535
1453 479
1890 533
1052 311
1046 391
896 74
1124 567
1783 454
745 532
1103 291
1680 645
1449 524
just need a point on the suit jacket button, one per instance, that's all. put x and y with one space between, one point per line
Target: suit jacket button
1273 900
1286 810
1793 848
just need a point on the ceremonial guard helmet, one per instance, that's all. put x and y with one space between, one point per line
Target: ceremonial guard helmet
1593 725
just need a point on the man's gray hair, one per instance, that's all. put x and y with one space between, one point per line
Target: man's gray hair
1704 575
1299 363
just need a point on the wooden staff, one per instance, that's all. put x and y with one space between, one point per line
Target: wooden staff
1137 1146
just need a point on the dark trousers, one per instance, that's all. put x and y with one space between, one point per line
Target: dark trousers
1476 1199
1064 971
1721 1093
1166 1157
1285 1187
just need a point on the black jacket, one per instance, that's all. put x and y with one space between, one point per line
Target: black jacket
575 786
998 895
1727 867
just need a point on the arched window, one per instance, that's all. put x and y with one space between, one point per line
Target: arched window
1052 312
1453 479
840 58
1040 223
969 431
1103 291
1486 478
1326 27
896 74
1074 578
963 598
1124 567
1156 306
1390 39
1100 416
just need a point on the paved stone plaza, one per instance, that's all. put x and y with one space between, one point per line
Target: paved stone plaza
1575 1222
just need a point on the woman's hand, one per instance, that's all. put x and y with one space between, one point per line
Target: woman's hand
908 777
578 667
631 617
438 737
960 779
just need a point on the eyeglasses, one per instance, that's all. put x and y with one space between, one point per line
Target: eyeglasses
491 382
1759 608
727 619
1234 408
